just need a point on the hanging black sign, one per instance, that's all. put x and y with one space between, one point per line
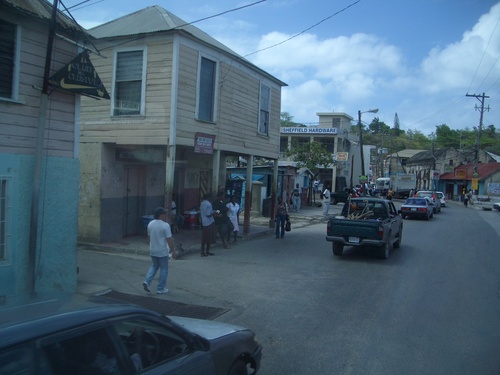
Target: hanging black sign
80 77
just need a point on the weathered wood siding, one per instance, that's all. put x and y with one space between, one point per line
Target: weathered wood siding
238 88
98 125
19 119
236 123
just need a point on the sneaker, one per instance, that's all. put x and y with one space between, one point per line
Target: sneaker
164 291
146 287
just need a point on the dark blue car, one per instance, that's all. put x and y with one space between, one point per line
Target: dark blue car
121 339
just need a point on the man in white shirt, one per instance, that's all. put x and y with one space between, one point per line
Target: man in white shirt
326 200
160 242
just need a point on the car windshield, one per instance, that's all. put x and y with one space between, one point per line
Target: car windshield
415 202
424 194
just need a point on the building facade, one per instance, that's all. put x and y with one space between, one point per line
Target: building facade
430 165
181 103
39 165
334 132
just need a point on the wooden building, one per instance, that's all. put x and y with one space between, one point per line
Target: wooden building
39 165
181 103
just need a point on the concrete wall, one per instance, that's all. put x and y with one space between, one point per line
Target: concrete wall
57 222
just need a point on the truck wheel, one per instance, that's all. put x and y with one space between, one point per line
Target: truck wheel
385 249
337 249
397 244
334 201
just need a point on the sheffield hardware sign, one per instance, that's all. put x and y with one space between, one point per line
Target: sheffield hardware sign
308 130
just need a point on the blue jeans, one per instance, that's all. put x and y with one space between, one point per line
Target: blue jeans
280 225
158 263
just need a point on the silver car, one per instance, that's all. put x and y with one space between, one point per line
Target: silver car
431 195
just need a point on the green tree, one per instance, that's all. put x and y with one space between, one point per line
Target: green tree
286 119
311 155
447 137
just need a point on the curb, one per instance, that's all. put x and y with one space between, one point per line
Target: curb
183 250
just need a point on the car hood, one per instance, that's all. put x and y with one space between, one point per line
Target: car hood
206 328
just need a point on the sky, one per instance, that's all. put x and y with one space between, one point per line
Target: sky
417 59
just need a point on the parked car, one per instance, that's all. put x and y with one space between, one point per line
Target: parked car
415 207
433 196
122 339
442 198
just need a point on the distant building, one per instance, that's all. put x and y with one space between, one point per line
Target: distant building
430 165
334 132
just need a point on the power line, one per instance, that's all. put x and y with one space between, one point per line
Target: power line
83 2
482 57
303 31
220 14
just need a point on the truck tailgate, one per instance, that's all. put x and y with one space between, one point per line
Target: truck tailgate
355 228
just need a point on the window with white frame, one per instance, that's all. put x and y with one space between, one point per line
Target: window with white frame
9 54
264 109
128 94
206 90
4 206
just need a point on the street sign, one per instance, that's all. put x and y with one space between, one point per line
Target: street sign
342 156
435 175
475 184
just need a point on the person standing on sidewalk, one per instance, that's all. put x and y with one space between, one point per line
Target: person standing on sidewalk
296 198
207 225
326 200
233 211
221 218
281 217
160 242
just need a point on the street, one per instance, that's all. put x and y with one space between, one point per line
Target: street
431 308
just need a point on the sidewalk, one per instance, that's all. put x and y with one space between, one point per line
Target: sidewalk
189 241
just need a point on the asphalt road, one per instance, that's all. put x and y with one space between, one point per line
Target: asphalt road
432 308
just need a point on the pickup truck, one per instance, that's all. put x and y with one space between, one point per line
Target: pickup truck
366 221
339 196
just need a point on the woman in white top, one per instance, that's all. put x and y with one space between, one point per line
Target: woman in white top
232 213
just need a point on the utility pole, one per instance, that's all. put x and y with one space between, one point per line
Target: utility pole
38 158
478 138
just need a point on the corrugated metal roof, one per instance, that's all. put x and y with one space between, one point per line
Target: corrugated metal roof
484 170
494 156
427 155
406 153
156 19
42 10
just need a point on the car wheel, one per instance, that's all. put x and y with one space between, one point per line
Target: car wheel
385 249
337 249
397 244
238 368
334 201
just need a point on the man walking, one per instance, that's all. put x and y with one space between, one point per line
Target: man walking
160 242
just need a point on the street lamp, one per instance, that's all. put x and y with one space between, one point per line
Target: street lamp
361 138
